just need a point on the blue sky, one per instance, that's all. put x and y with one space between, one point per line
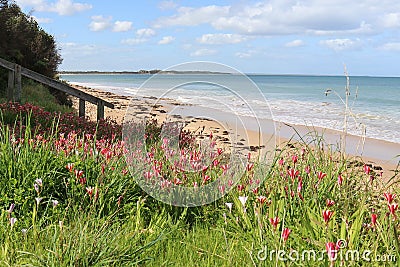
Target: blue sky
272 37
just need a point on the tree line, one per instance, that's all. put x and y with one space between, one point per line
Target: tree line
24 42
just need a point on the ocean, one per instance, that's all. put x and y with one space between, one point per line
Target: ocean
374 102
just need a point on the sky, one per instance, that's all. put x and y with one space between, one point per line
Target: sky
269 37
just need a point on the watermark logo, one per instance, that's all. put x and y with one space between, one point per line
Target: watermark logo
207 94
337 253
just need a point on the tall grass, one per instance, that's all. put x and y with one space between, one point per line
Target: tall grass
67 199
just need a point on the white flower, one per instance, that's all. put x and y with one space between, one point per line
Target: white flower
229 205
55 202
243 200
38 199
39 182
12 221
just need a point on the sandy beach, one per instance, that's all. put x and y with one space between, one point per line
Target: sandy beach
245 134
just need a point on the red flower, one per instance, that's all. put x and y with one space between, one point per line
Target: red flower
389 197
293 173
261 199
373 218
70 167
367 169
294 159
281 162
327 215
392 208
249 166
240 187
321 175
78 174
330 203
285 234
274 222
331 250
206 179
340 180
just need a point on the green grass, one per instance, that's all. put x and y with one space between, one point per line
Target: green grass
118 224
39 95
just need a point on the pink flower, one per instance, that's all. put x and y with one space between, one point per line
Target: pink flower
392 208
240 187
274 222
321 175
331 249
285 234
327 215
367 169
294 159
225 168
13 221
177 181
373 218
70 167
11 208
261 199
307 169
340 180
206 179
389 197
293 173
281 162
330 203
89 190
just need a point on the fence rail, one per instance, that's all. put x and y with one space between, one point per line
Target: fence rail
15 72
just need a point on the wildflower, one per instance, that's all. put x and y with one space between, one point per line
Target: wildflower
39 182
206 179
177 181
392 208
285 234
274 222
294 159
255 190
55 203
38 200
230 182
70 167
367 169
330 203
261 199
219 151
195 184
243 200
307 169
281 162
321 175
229 205
249 166
24 231
89 190
340 180
327 215
225 168
249 156
11 208
224 215
13 220
78 174
293 173
373 218
221 188
300 185
240 187
331 249
36 188
389 197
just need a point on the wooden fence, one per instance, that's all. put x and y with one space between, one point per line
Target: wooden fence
15 72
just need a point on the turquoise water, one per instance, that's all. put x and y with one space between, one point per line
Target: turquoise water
374 101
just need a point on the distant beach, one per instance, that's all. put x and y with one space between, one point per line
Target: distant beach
377 153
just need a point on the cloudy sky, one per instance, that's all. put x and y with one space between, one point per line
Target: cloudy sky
273 37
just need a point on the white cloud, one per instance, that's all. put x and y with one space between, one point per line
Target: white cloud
221 38
295 43
203 52
61 7
122 26
391 46
146 32
276 17
42 20
100 23
134 41
166 40
342 44
188 16
165 5
247 54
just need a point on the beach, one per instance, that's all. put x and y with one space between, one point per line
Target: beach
245 134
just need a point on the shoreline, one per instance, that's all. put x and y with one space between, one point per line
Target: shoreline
376 152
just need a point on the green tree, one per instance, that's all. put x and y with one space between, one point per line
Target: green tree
24 42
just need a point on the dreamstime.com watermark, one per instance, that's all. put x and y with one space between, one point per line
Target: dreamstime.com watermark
340 254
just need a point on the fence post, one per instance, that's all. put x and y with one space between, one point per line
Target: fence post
11 85
81 107
17 89
100 110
